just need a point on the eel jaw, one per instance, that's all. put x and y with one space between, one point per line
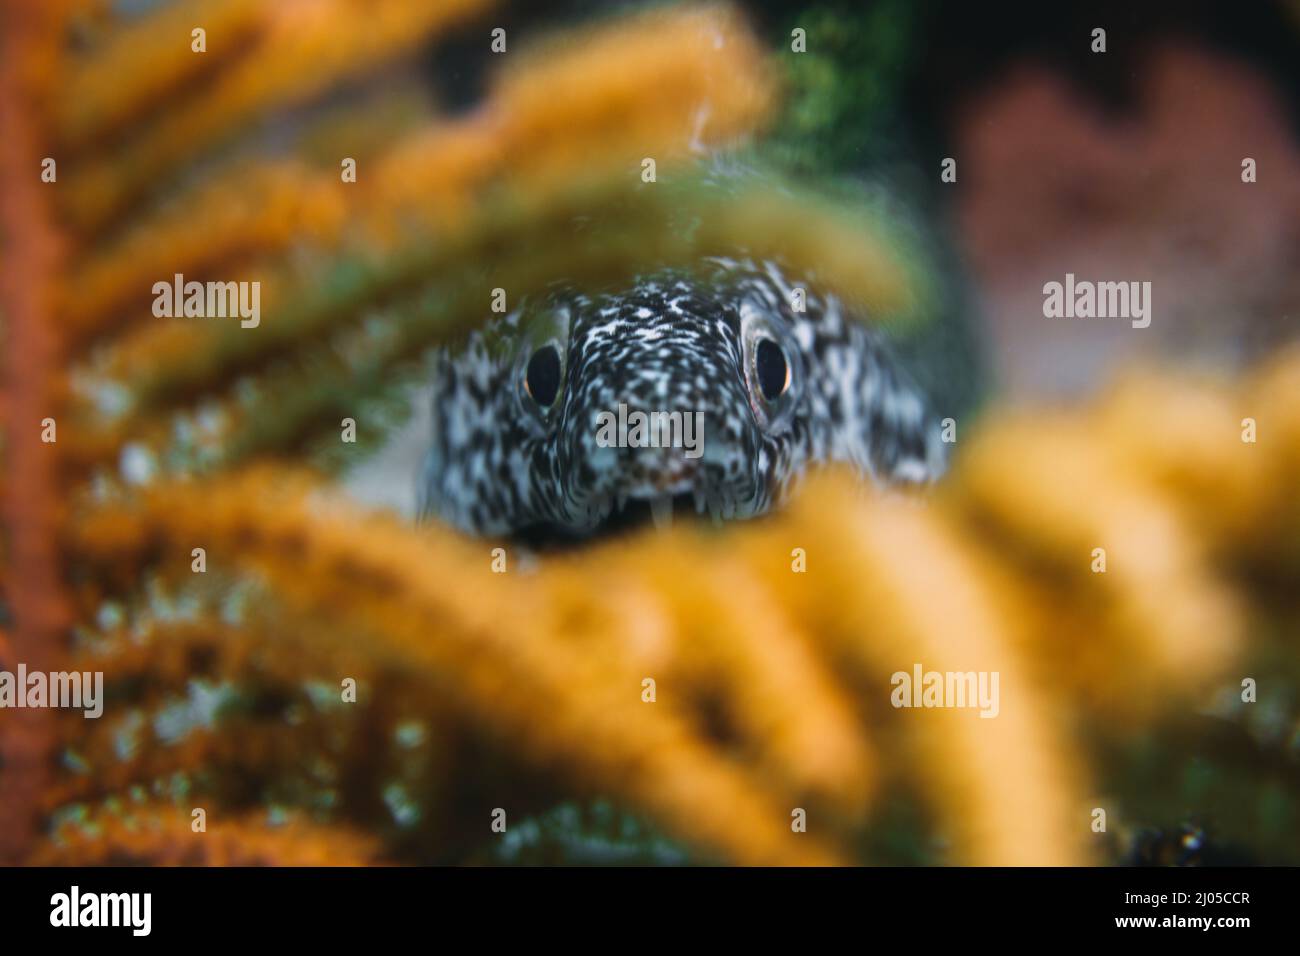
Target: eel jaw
661 508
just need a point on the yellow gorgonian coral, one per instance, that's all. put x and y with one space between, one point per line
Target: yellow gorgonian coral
798 664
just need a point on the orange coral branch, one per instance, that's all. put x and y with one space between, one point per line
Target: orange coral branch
307 46
144 67
28 255
231 219
524 666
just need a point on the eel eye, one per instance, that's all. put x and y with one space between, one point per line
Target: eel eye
772 370
542 376
772 367
539 366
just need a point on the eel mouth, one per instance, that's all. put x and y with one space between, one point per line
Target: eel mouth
625 517
660 511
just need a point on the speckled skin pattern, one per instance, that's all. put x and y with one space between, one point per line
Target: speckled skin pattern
500 464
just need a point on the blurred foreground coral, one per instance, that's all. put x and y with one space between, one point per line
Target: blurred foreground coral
524 691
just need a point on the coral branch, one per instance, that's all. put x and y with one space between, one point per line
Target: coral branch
306 47
28 259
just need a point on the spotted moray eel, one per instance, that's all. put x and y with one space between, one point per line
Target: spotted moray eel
515 410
